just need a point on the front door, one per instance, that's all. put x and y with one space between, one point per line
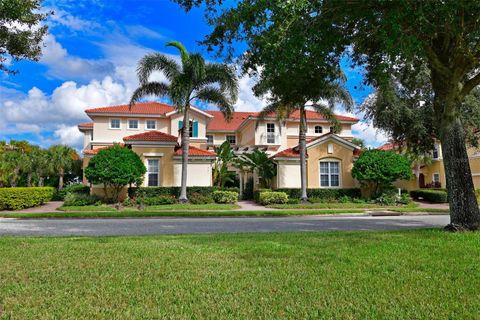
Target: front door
421 180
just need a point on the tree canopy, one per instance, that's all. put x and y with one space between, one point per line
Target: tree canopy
115 167
21 31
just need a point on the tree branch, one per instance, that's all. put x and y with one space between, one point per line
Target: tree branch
470 84
435 62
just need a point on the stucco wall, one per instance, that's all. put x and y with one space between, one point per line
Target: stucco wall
103 133
194 116
261 134
247 134
288 174
166 162
199 173
320 152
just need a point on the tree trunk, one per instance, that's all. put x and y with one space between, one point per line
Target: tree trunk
303 152
41 181
240 179
60 178
29 179
464 210
185 145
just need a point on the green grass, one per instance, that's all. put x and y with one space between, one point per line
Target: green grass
209 206
421 274
133 214
86 208
335 205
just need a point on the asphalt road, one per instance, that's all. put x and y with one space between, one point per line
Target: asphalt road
151 226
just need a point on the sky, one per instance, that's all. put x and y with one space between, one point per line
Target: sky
89 60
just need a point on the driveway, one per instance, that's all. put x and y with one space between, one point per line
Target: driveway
151 226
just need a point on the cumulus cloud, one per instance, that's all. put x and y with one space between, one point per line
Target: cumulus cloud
63 65
69 135
64 18
247 101
372 136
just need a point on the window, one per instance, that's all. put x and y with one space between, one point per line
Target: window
435 152
133 124
330 174
270 132
152 172
209 139
232 139
332 129
91 135
318 129
114 123
193 126
151 125
436 178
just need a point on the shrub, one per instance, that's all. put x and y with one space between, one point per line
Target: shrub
430 195
129 202
327 194
80 199
225 196
293 201
73 188
386 199
159 200
145 192
256 194
20 198
404 199
272 197
197 198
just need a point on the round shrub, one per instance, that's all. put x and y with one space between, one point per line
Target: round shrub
273 197
225 196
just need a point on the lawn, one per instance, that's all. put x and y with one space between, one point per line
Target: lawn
331 205
187 213
181 207
421 274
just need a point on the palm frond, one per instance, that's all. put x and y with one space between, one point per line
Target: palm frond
159 89
217 97
327 112
225 76
157 62
181 48
195 67
281 110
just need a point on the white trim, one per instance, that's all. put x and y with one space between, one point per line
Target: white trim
433 176
208 115
150 143
475 174
153 154
159 174
149 129
133 129
126 114
119 124
328 160
287 159
332 136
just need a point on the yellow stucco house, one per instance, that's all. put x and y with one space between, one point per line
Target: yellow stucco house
152 129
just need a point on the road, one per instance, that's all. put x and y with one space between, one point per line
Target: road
151 226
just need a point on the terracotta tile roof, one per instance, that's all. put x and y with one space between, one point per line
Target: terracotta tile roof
288 153
151 136
195 152
86 125
154 108
95 151
219 122
388 146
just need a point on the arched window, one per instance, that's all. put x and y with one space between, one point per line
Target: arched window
330 176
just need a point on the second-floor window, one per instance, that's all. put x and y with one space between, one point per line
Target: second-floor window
270 132
193 126
318 129
151 125
435 154
133 124
209 139
232 139
114 123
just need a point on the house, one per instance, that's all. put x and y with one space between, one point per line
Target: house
432 174
152 130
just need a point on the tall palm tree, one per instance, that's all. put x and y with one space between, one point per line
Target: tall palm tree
332 93
62 158
193 79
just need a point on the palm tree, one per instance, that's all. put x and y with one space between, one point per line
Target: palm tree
225 155
332 93
193 79
259 162
62 158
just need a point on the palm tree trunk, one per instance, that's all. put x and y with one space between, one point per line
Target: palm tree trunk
41 181
185 145
29 179
303 149
60 178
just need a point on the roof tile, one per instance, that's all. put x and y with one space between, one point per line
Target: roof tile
195 152
154 108
151 136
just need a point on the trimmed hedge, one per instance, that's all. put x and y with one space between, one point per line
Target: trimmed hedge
225 196
21 198
272 197
80 199
147 192
256 194
430 195
329 194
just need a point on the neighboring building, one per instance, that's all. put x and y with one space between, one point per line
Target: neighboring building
152 130
432 175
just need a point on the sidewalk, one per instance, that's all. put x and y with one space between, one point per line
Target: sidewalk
427 205
252 206
51 206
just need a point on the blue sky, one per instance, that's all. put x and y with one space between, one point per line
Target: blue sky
89 60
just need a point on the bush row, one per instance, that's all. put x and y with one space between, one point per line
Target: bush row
21 198
73 188
217 196
430 195
272 197
327 194
147 192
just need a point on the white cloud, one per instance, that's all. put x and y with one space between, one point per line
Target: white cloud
247 101
69 135
64 66
63 18
372 136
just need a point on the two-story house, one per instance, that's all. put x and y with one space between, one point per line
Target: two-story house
152 130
